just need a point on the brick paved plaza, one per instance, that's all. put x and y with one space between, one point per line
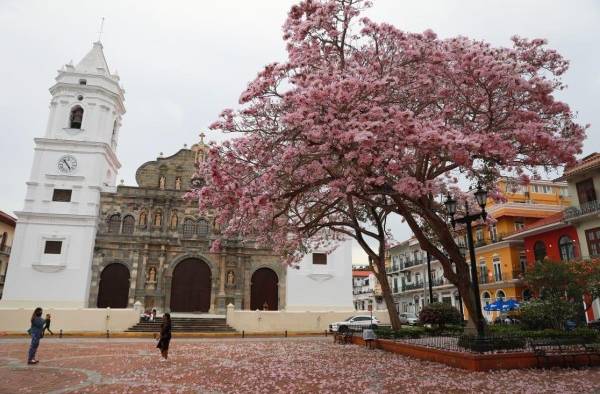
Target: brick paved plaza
255 365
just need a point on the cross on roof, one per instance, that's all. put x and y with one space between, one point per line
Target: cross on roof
202 135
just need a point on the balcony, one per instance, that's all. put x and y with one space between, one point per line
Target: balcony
395 268
484 279
412 286
5 249
411 263
573 213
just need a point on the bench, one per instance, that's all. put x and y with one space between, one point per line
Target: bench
563 348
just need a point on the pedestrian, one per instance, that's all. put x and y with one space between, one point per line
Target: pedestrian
36 330
165 336
153 315
47 325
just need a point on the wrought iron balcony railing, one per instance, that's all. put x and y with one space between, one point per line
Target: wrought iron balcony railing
584 209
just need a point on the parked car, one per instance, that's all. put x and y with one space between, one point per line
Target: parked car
409 318
354 323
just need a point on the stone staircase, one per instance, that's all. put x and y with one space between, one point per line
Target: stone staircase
185 324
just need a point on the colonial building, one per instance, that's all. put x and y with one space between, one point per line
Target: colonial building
7 233
81 241
152 247
366 290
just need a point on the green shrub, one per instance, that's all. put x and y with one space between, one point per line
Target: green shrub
440 314
406 332
544 314
488 344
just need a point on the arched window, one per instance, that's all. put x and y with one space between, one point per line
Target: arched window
189 228
567 249
539 250
114 223
485 296
76 117
128 224
526 295
500 295
202 227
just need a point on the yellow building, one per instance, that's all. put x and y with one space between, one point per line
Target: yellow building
502 262
7 232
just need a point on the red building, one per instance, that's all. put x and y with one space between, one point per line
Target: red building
554 239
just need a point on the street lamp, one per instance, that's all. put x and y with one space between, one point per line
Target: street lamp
467 219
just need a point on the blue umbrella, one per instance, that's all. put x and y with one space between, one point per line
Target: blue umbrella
510 305
493 307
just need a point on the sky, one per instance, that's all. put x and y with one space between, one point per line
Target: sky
182 62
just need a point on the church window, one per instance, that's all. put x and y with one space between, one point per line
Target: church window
128 224
202 227
114 223
52 247
76 117
62 195
189 228
320 258
83 82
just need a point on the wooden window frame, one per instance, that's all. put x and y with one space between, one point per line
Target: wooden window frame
62 195
593 242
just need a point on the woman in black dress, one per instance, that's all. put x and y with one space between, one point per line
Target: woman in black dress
165 336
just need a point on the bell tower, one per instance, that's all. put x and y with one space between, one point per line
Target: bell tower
74 161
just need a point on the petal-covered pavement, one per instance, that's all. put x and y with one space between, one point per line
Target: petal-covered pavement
292 365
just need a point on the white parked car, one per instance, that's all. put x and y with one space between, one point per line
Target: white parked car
354 323
409 318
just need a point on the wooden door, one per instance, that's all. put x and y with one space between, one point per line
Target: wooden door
264 290
113 290
191 287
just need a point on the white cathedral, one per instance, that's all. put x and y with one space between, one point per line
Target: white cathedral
75 165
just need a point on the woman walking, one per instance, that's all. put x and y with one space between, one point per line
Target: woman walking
36 331
165 336
47 326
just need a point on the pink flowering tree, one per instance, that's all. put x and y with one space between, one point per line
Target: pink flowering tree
363 111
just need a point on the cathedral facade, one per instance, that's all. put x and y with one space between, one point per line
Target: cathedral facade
153 247
81 241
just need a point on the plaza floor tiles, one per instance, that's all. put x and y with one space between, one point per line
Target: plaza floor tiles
257 365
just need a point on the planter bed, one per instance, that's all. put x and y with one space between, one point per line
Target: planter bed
480 362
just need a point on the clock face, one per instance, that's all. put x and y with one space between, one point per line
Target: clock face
67 164
197 182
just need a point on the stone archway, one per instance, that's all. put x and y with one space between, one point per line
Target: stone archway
113 290
264 290
191 286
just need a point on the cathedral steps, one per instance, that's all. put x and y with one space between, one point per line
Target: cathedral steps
184 324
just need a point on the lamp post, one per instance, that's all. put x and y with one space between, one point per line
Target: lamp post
467 219
429 277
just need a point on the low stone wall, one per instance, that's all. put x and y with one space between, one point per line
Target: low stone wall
480 362
17 320
293 321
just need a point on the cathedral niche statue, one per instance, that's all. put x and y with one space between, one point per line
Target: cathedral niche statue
230 278
143 219
158 219
178 183
151 277
174 221
161 182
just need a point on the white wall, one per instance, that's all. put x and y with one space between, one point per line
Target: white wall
293 321
15 320
328 287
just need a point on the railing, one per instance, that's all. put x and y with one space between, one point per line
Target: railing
6 249
393 269
357 292
483 279
411 263
584 209
2 278
412 286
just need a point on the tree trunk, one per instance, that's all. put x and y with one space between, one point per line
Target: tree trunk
386 292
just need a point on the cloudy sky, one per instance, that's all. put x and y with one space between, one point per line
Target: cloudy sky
182 62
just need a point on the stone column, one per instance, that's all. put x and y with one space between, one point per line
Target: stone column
95 283
134 277
222 274
141 278
163 289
